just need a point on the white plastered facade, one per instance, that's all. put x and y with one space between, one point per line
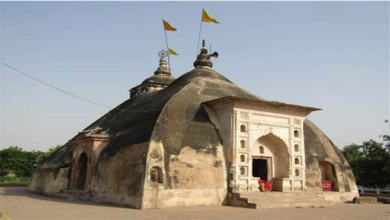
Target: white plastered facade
278 130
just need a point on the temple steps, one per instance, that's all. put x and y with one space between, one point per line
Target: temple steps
260 200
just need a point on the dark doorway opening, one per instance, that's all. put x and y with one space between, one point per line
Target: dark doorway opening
260 169
82 171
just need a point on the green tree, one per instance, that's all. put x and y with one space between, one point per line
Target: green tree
386 138
22 163
15 160
354 155
370 163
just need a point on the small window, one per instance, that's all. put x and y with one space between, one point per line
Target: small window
296 148
297 172
261 149
296 161
243 128
242 144
156 175
242 171
242 158
296 133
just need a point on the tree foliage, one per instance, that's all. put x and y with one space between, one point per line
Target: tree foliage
370 162
386 138
14 160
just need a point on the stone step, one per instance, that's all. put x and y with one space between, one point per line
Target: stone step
286 199
66 196
293 204
277 195
278 199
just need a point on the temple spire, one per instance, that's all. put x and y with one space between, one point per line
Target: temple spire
203 59
162 67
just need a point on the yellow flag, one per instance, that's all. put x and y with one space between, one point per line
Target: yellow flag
168 27
207 18
170 51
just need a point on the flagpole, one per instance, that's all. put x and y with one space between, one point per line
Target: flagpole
166 41
200 31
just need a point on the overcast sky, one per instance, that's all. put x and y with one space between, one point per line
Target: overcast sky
330 55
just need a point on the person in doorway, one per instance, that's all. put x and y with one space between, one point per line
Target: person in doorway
264 186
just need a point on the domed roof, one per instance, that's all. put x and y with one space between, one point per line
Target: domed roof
174 116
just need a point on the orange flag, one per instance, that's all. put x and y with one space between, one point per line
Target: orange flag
168 27
207 18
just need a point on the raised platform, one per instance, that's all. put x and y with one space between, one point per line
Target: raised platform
259 200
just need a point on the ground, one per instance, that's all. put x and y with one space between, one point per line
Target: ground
22 204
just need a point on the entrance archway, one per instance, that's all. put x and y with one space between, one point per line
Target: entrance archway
273 160
328 173
81 171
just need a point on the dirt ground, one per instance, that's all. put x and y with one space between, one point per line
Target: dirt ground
22 204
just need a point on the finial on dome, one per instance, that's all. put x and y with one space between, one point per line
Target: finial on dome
203 59
162 68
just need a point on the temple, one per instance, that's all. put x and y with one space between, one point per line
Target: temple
199 140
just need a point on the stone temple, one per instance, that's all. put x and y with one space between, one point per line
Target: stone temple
198 140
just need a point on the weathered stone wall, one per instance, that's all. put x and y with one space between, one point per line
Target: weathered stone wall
196 178
53 174
119 178
48 181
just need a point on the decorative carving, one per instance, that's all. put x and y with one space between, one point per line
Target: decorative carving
297 121
154 154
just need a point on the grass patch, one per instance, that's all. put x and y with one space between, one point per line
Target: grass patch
14 179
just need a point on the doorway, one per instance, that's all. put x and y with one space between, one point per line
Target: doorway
260 168
81 170
328 173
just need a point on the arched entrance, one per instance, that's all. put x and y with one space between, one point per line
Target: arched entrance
81 171
328 174
270 158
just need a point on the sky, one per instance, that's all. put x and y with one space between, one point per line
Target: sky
330 55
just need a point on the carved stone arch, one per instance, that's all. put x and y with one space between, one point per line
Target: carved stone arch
277 149
271 134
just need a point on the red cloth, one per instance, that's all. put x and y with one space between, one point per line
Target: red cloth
267 185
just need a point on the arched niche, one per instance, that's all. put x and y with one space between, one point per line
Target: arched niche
242 158
156 175
297 173
243 128
328 173
243 145
261 150
296 148
242 171
296 133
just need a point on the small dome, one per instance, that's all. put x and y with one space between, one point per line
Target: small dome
161 79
